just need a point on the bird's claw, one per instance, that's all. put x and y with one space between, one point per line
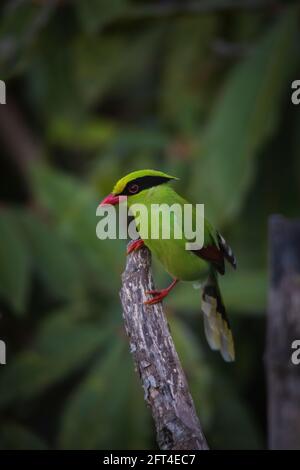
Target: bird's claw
159 295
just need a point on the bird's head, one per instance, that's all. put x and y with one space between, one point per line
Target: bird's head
135 183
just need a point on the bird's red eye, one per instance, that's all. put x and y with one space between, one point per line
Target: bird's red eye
133 188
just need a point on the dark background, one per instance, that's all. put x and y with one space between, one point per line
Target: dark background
201 90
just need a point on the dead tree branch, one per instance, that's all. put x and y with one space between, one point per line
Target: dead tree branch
155 357
283 375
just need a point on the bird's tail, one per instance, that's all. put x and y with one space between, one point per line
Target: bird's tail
216 324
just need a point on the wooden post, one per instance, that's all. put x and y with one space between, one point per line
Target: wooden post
165 386
283 329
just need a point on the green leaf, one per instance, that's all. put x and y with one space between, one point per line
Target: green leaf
51 79
109 66
96 405
96 13
20 25
56 354
14 263
245 117
73 206
98 133
186 74
15 436
234 424
108 407
244 292
88 135
52 257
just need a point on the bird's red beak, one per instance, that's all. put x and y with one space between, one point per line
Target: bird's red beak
112 200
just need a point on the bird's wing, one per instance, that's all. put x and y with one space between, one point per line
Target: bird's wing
213 255
226 250
215 249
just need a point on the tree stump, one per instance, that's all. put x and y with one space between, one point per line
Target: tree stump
283 328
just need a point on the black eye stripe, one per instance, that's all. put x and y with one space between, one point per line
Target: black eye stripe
144 182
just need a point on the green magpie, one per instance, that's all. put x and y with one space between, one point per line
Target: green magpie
149 187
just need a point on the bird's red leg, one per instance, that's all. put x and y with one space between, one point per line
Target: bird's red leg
159 295
134 245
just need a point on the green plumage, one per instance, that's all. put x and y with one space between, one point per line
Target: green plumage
176 260
153 187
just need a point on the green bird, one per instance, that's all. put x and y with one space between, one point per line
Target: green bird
149 187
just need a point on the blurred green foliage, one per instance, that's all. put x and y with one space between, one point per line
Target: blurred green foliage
106 88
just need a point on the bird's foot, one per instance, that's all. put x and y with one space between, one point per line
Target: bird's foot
134 245
159 295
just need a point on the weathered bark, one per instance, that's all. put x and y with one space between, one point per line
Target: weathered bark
283 329
155 357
